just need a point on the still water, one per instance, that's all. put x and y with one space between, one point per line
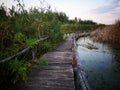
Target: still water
98 61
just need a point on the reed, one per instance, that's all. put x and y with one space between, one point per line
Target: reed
108 34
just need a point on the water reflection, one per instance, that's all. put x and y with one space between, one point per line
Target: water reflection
99 64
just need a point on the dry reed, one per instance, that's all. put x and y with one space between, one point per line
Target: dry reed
108 34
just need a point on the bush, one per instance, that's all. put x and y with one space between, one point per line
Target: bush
19 70
19 37
42 61
13 72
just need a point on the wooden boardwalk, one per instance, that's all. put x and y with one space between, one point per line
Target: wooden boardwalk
57 75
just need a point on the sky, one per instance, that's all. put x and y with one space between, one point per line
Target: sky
100 11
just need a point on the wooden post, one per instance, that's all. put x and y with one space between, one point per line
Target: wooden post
73 50
34 53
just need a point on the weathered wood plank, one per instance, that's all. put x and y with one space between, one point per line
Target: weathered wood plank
37 87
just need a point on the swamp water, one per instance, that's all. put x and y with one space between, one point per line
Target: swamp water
98 61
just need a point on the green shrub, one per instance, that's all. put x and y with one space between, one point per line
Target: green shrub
42 61
46 45
13 72
32 42
20 38
19 70
64 37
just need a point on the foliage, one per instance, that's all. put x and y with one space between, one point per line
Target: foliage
38 27
19 37
53 29
76 25
47 45
32 42
71 28
22 28
42 61
108 34
6 35
64 37
19 70
14 72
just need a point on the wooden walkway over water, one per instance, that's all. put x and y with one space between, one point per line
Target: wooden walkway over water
57 75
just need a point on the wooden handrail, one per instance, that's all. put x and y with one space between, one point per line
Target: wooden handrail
21 52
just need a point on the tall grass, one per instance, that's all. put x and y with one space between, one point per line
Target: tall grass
108 34
18 27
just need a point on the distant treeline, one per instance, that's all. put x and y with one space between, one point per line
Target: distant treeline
78 25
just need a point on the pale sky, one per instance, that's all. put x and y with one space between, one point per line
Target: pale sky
100 11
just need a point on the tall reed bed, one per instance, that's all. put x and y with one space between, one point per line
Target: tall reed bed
108 34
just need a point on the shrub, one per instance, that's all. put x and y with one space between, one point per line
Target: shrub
20 37
19 70
42 61
13 72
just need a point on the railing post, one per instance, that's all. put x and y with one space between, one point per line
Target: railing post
34 53
73 50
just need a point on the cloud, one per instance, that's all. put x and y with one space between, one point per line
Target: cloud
109 12
111 7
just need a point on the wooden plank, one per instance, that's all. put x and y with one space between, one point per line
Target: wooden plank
38 87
